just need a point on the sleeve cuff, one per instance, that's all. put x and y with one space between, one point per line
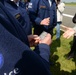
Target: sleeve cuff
44 51
37 21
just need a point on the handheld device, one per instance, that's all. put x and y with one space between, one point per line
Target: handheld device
43 35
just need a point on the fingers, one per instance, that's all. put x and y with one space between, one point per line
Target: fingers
45 21
34 36
67 35
48 20
36 40
70 32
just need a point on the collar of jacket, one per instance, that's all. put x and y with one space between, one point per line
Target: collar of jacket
12 4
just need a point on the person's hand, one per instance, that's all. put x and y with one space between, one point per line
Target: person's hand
45 21
70 32
47 40
33 40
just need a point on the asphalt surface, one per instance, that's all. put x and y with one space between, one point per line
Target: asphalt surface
67 20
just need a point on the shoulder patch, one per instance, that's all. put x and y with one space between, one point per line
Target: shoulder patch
42 6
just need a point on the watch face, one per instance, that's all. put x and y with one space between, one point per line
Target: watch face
1 60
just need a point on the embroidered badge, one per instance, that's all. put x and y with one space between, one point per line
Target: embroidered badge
20 18
42 6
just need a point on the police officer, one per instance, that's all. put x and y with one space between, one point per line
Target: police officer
16 58
20 14
43 15
15 27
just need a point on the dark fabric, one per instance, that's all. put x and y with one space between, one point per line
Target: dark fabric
15 25
18 59
44 51
37 66
20 14
39 29
73 48
11 48
74 18
40 9
12 3
2 1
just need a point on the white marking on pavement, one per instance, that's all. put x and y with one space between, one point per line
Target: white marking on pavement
63 27
67 15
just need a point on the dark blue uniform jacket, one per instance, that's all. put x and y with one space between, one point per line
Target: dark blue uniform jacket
40 9
14 27
16 58
20 14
